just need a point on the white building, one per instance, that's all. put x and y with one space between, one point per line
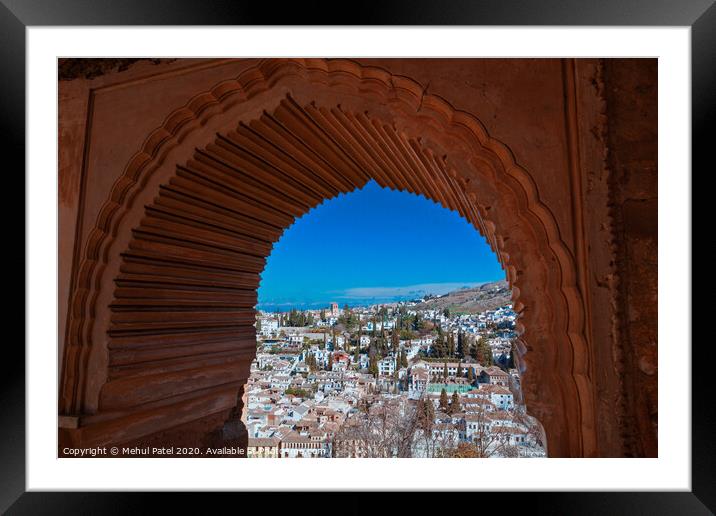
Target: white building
269 327
386 366
363 361
438 368
295 339
419 379
295 445
500 396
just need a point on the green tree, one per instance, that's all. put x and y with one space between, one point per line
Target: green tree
485 353
383 344
373 365
299 319
470 375
451 344
511 358
439 350
349 319
301 393
403 358
330 362
417 322
444 401
406 334
461 346
446 312
455 403
445 372
475 350
426 415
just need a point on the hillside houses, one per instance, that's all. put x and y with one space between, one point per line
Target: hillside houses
305 390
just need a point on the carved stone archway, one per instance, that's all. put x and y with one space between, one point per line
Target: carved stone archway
160 329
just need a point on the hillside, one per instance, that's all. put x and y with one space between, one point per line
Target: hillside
471 300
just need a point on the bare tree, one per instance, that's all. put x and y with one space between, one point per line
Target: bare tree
381 428
401 428
484 437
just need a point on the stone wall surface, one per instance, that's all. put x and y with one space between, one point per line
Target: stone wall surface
176 177
631 93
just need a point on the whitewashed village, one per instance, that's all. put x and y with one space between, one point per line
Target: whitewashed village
390 380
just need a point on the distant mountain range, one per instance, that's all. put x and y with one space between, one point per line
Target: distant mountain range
487 296
461 297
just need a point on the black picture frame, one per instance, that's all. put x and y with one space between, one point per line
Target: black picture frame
17 15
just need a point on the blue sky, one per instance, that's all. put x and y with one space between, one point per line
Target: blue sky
374 245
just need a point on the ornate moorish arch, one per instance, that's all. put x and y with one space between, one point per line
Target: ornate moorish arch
160 329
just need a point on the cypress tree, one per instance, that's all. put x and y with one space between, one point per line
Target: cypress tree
417 322
475 350
395 339
485 353
443 400
455 403
511 359
427 414
451 344
403 359
373 366
461 348
439 346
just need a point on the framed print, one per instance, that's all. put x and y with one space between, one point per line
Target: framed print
425 257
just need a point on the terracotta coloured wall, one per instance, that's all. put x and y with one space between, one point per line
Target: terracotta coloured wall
581 132
631 95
